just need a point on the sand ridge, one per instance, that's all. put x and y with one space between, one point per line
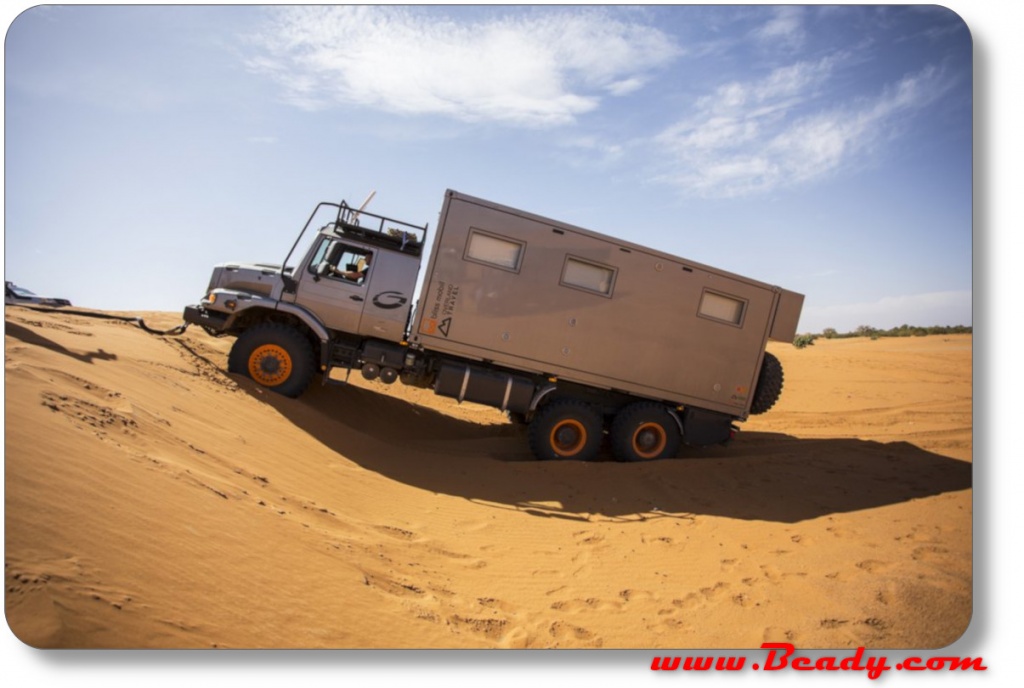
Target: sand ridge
153 500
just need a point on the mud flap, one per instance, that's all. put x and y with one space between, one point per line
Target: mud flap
703 428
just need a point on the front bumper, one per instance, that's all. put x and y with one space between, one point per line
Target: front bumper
197 315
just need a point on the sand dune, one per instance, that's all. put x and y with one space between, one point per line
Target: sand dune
152 500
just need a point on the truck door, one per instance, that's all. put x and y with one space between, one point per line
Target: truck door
334 283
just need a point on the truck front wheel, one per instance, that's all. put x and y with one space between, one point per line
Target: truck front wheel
566 429
645 431
275 356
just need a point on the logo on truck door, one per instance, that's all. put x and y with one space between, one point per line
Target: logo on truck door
390 299
431 326
439 319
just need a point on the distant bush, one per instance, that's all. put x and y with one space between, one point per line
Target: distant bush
803 340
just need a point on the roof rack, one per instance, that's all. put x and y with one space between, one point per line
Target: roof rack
379 230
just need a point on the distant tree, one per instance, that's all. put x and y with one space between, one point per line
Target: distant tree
903 330
865 331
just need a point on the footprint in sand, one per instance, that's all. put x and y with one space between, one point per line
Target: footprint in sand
467 559
833 623
584 537
492 629
96 416
396 532
494 603
391 586
774 575
589 604
702 597
629 595
568 635
744 600
872 565
929 553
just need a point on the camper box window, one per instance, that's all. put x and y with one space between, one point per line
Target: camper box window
593 277
492 250
721 307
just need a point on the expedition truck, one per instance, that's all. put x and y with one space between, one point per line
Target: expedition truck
574 333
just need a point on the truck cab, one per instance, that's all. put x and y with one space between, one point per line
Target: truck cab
353 286
356 286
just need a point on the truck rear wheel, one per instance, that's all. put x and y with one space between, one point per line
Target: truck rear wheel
566 429
769 385
644 431
275 356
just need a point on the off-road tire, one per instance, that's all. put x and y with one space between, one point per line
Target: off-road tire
769 385
566 429
275 356
645 431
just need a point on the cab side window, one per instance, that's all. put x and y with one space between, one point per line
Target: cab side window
339 261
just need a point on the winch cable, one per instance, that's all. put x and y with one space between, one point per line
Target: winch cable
173 332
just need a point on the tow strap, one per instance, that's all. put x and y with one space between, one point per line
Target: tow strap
174 331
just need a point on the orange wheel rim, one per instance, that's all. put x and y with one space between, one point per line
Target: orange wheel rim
270 365
568 437
649 440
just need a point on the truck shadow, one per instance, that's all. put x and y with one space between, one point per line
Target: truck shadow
760 476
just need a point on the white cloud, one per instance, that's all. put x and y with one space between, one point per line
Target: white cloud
785 29
757 136
625 86
530 69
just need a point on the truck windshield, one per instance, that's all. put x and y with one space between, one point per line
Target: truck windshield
322 216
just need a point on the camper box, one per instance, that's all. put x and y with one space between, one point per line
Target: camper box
520 291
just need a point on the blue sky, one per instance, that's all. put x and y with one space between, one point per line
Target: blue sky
824 149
